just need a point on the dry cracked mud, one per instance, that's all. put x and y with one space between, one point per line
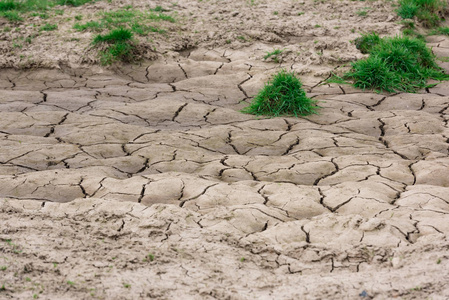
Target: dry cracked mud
147 182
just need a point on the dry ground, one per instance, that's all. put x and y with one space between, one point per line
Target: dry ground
145 181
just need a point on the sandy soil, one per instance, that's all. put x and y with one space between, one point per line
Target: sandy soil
145 181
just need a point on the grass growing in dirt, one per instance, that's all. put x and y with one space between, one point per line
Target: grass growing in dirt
428 12
134 20
274 54
122 24
14 10
282 95
119 46
401 64
440 30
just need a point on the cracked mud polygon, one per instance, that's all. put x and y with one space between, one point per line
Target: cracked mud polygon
145 181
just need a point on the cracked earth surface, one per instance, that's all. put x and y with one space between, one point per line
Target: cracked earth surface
148 182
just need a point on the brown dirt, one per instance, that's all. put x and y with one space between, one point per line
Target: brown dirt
145 181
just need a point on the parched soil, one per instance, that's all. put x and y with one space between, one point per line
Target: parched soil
144 181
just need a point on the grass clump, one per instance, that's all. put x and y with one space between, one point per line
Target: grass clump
429 12
119 46
396 64
282 95
8 5
366 42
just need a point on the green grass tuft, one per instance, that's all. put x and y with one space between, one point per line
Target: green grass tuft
428 12
119 46
8 5
116 35
366 42
396 64
282 95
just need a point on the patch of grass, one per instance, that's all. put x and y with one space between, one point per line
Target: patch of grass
429 12
115 36
440 30
70 282
3 268
40 15
159 9
366 42
119 46
162 17
275 54
412 33
407 9
443 59
396 64
282 95
149 257
362 13
8 5
145 29
126 285
125 18
74 3
91 25
12 16
48 27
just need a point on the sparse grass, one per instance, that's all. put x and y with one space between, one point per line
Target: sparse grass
15 10
440 30
48 27
74 3
282 95
126 18
396 64
413 34
91 25
149 257
362 13
274 54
